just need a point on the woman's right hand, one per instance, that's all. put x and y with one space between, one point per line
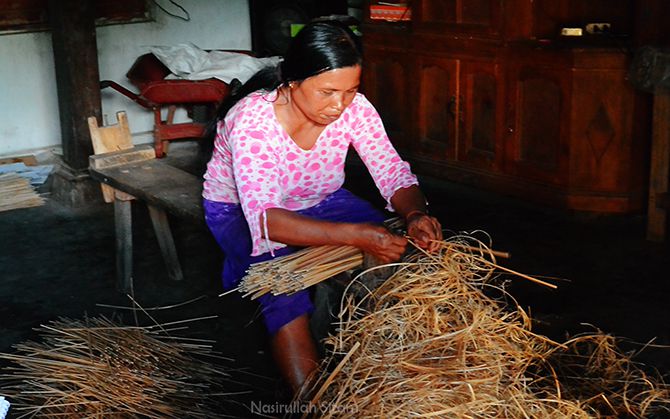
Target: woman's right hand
379 242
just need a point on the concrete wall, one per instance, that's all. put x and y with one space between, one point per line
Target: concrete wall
28 100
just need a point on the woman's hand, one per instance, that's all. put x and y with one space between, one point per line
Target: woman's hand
294 229
376 240
424 230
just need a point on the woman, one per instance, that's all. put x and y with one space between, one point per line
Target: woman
274 182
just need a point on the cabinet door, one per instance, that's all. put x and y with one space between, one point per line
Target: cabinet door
607 151
537 123
438 109
386 78
480 102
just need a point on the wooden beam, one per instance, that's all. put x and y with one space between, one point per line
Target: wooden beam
663 201
660 166
77 76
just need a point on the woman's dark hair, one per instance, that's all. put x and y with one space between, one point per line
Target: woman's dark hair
319 46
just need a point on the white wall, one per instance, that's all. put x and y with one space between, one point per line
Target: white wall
28 101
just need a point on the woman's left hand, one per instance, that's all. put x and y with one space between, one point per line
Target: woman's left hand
425 231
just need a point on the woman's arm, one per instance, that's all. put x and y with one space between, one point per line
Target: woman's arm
410 204
392 175
294 229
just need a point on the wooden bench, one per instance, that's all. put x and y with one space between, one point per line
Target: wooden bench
136 174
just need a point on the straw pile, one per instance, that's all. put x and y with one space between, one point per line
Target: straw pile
432 341
16 192
297 271
94 368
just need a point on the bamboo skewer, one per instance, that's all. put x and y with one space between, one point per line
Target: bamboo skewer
496 253
297 271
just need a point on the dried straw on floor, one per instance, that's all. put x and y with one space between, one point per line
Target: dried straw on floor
431 342
16 192
95 368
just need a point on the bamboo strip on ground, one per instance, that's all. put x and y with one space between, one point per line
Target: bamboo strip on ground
95 368
16 192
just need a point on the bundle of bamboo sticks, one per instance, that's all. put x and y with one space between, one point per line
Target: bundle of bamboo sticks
95 368
432 342
299 270
16 192
309 266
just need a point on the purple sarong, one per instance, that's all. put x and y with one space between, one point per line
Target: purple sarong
230 229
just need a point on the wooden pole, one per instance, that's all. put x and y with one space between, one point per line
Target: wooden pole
77 77
660 167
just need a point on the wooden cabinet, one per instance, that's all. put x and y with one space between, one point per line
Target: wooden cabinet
537 103
467 15
437 99
474 91
387 80
480 103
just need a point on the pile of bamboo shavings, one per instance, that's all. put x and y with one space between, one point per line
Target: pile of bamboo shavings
95 368
297 271
16 192
431 342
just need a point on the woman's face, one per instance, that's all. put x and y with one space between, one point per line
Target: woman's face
323 98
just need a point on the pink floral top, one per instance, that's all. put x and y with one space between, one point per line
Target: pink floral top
258 165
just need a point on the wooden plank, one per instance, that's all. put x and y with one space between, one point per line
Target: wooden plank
16 192
110 138
660 166
32 15
119 158
158 184
27 160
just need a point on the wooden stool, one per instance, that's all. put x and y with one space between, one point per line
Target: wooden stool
113 147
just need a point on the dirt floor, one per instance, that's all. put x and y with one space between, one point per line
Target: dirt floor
60 262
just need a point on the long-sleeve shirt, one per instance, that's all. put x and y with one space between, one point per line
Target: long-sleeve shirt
257 164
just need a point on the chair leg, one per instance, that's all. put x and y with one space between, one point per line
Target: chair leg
169 121
161 225
158 142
